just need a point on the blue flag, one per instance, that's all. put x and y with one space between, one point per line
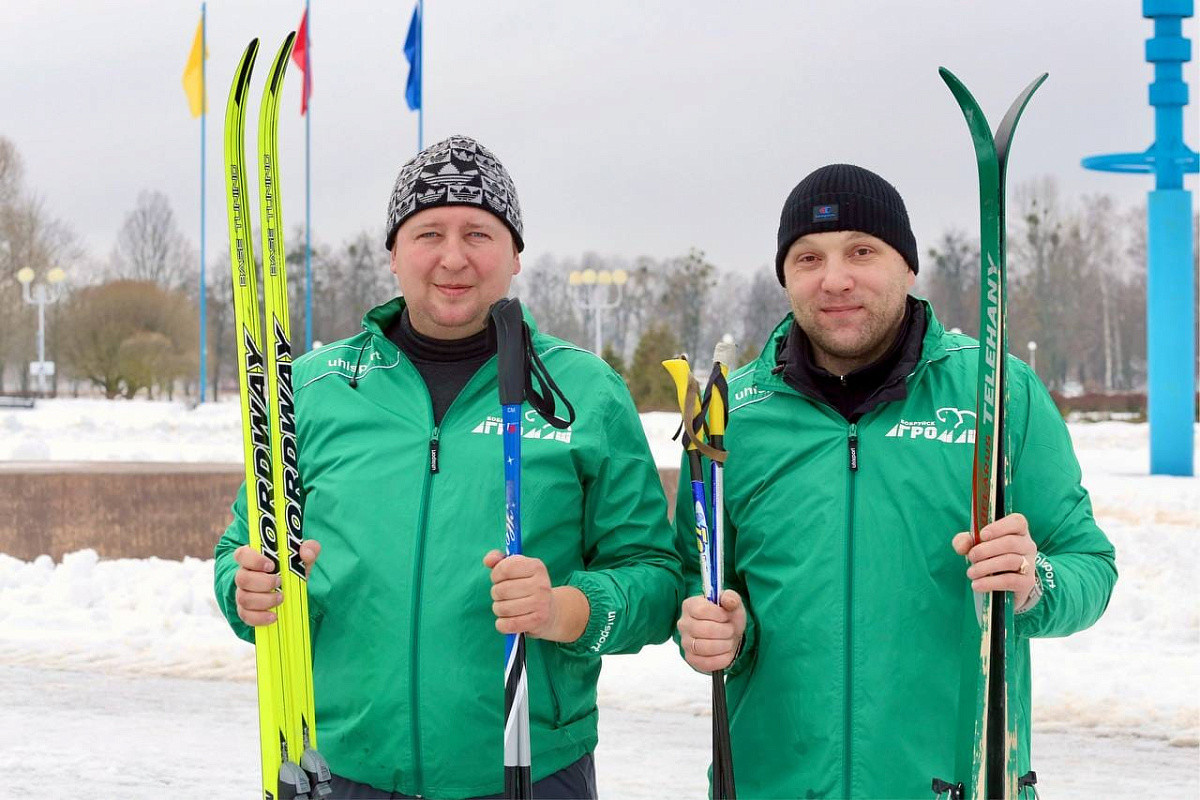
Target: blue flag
412 51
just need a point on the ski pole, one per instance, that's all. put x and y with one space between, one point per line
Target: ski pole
511 361
692 412
717 393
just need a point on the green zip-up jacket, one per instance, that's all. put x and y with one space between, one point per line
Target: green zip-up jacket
407 663
847 684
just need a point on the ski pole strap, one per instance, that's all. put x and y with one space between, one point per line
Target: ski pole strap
518 364
543 401
698 424
692 399
691 408
717 412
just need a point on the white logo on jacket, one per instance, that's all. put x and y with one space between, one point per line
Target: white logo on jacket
950 425
532 427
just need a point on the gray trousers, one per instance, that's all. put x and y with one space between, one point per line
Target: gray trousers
573 782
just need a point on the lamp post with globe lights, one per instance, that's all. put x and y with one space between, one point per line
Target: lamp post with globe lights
597 291
40 294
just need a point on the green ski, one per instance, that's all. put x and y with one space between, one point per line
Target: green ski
986 762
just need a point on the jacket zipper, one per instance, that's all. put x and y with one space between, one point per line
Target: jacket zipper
545 654
419 573
418 580
852 454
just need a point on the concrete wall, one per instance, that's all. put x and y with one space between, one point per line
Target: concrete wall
125 510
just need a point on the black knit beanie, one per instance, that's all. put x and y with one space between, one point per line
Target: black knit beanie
458 171
843 197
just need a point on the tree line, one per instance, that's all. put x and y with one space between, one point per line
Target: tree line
129 323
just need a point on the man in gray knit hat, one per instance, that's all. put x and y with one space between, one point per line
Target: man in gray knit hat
850 443
400 459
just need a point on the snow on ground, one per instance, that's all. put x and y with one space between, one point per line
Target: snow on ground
139 430
89 647
121 430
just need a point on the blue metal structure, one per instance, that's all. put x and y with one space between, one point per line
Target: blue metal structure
1170 285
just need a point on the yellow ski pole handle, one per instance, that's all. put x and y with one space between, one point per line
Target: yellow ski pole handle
688 395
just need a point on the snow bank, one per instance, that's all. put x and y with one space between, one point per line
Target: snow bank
129 615
121 430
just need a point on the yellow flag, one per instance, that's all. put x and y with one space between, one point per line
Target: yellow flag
193 73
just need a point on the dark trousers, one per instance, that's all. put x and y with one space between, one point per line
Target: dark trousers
573 782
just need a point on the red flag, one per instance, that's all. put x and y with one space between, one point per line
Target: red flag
300 56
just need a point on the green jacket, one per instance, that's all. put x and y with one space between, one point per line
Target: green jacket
407 663
847 684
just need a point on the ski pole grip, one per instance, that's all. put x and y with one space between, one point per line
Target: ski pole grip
510 349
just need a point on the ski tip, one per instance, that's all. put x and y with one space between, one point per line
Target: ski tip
242 78
952 80
281 62
1008 125
248 56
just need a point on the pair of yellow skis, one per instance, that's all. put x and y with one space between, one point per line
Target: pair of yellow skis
292 769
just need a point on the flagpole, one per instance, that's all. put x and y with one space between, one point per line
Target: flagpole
308 312
421 74
203 117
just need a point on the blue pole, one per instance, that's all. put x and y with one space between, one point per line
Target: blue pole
1170 284
203 282
1170 333
308 305
421 75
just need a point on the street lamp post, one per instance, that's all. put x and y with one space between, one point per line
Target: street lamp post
40 295
1033 356
596 291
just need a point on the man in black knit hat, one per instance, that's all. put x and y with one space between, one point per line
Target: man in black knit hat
850 446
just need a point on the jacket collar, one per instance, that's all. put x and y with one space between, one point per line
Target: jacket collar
376 321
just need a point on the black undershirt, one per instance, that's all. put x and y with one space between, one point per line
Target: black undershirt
445 364
861 390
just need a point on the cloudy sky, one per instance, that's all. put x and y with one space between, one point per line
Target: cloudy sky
630 128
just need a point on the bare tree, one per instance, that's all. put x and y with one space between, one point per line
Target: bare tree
354 280
950 280
687 284
1042 282
764 304
12 171
639 307
544 290
150 246
222 349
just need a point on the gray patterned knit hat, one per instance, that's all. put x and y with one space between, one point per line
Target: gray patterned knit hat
458 171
